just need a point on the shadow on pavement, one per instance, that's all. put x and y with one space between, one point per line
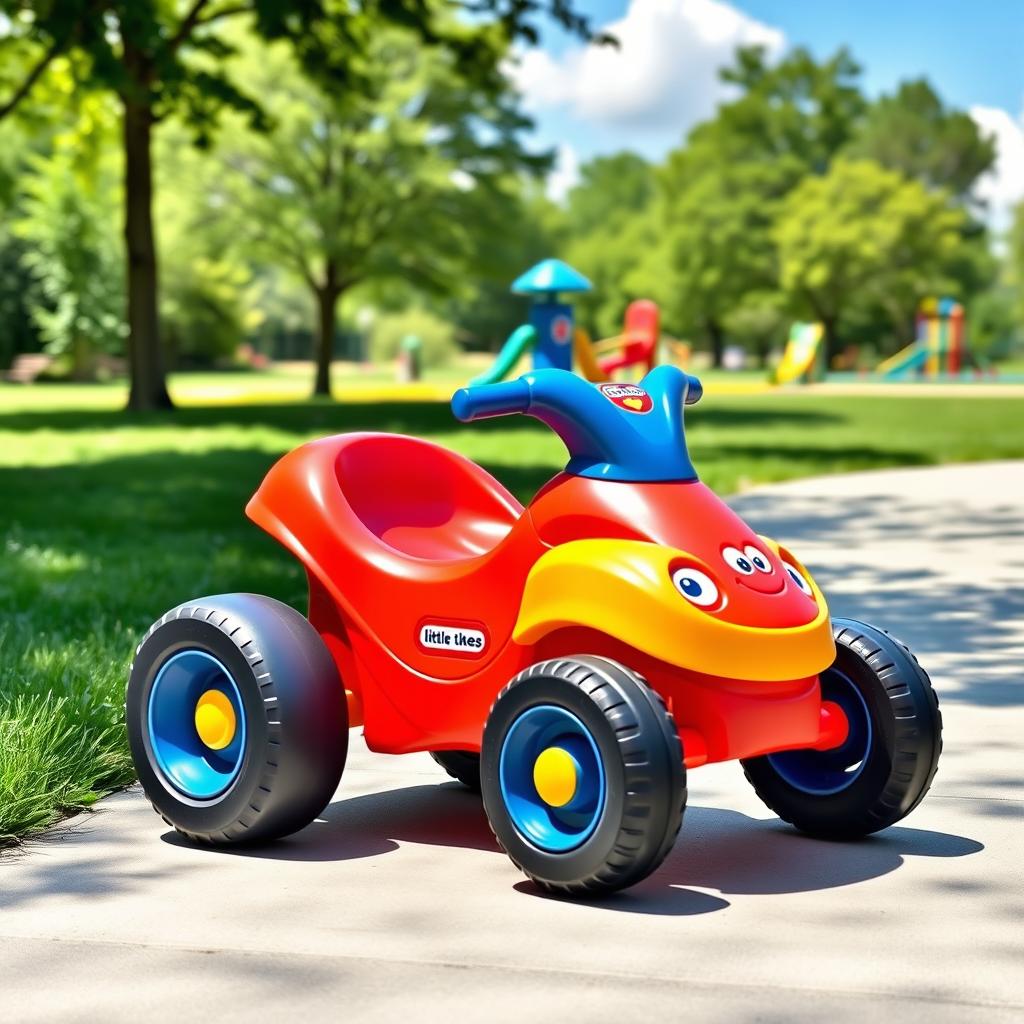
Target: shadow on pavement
956 623
717 849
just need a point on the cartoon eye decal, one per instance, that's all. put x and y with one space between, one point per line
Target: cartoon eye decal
697 587
757 558
736 559
798 578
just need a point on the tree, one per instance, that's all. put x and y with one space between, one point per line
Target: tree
74 259
608 232
386 184
533 229
758 323
611 190
713 223
18 296
17 285
206 307
163 56
862 232
797 109
992 323
913 132
718 195
66 213
1015 261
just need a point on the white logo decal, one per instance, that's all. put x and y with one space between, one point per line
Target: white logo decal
623 391
451 638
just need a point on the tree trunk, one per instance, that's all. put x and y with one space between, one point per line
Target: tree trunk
327 306
145 359
81 359
764 350
830 324
717 337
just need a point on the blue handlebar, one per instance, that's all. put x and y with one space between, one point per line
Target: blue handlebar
483 400
612 431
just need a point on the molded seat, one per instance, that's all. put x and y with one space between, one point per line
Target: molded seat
423 500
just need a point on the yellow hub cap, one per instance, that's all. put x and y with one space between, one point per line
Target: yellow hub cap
556 776
215 720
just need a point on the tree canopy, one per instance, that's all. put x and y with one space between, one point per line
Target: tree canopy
373 158
914 132
163 57
391 183
860 232
606 212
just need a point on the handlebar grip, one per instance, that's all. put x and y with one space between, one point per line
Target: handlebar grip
694 390
481 401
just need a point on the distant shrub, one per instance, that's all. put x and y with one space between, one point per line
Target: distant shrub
436 335
202 317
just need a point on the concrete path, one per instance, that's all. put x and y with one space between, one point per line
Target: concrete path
398 904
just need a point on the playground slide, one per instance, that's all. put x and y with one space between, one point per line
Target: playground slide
519 341
801 351
583 352
907 359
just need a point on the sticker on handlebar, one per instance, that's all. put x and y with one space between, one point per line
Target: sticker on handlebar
627 396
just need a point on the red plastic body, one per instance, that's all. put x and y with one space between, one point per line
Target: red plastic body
417 561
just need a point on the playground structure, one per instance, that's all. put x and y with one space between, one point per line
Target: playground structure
637 345
939 348
555 340
800 360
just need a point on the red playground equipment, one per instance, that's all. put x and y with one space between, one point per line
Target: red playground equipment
637 346
571 659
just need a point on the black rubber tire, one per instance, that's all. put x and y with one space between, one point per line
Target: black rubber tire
904 754
461 765
642 756
295 708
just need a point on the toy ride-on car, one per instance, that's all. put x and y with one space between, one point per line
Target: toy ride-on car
571 659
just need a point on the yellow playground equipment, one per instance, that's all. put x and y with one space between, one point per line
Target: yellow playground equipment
800 358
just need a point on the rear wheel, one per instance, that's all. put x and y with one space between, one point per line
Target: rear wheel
237 719
883 769
582 775
461 765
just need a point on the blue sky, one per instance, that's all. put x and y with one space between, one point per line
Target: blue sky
663 80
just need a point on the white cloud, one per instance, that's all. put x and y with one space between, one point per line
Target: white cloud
566 173
664 74
1003 186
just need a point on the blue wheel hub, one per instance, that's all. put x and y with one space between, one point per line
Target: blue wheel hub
186 682
552 778
827 772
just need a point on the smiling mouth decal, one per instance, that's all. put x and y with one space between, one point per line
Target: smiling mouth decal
762 584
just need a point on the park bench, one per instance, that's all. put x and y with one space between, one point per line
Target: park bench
27 367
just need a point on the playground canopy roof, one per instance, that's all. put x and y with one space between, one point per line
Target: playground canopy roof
550 276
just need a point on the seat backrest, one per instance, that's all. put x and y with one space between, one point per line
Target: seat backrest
422 499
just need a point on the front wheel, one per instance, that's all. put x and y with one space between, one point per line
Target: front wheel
582 775
237 719
884 767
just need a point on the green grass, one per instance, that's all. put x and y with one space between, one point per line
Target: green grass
107 520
